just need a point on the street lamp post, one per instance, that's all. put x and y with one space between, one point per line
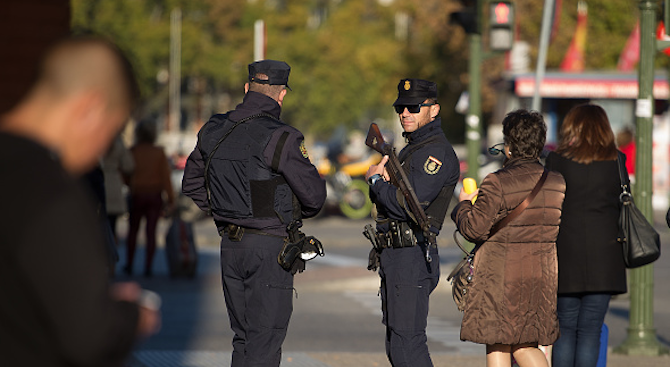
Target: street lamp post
641 339
174 85
473 124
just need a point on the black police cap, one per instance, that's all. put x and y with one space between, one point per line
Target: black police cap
277 72
415 91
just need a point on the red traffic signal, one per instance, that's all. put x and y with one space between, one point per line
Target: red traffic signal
501 13
501 25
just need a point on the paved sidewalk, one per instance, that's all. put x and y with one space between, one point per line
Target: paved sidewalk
185 343
293 359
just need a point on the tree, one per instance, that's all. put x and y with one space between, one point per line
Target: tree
346 55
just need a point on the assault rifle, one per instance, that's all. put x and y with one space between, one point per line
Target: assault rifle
375 140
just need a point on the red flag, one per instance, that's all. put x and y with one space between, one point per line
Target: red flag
660 35
630 54
574 58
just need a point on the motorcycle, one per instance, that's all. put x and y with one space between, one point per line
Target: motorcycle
346 187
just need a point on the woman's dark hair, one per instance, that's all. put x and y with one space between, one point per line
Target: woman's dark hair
586 135
525 133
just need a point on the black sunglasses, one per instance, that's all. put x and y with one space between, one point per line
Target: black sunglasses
495 151
411 108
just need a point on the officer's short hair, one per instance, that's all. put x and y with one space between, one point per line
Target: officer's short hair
270 90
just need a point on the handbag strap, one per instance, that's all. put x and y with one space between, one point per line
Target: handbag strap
622 168
519 209
515 213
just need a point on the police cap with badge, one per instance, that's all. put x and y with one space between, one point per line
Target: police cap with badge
412 93
276 71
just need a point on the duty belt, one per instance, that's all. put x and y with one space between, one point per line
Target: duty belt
400 234
235 232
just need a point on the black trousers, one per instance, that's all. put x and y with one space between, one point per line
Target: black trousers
259 298
407 281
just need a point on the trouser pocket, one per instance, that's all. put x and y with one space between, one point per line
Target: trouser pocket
408 307
277 300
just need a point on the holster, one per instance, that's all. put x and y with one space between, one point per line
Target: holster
298 248
289 253
373 236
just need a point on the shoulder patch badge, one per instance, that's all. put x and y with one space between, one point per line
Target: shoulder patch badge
303 150
432 165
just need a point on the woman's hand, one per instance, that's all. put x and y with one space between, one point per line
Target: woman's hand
462 196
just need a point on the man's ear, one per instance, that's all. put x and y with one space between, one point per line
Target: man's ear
91 108
88 131
434 111
282 94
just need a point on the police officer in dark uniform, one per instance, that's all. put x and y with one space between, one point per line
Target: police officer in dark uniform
407 275
252 173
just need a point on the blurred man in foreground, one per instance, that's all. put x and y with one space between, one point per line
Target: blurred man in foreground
58 308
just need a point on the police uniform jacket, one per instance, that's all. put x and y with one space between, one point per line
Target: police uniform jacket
429 168
293 164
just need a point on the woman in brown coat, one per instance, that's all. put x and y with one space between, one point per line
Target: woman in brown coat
512 297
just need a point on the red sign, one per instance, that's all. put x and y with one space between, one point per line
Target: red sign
562 86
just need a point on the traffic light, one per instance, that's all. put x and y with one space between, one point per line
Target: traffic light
466 17
501 25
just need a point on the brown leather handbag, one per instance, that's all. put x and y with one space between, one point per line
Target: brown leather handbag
462 275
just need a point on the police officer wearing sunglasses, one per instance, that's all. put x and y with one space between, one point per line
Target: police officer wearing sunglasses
407 278
252 173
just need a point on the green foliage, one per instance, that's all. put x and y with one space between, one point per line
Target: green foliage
346 55
609 25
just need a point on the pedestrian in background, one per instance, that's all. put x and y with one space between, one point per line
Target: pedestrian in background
57 306
591 267
117 167
511 303
151 193
407 277
625 141
252 172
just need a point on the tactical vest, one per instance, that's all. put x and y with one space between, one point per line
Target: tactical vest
437 210
239 183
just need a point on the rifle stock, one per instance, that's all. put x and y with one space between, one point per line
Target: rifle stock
375 140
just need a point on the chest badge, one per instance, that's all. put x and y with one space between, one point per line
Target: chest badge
432 165
303 150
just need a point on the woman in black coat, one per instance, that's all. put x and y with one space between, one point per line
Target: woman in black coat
590 259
